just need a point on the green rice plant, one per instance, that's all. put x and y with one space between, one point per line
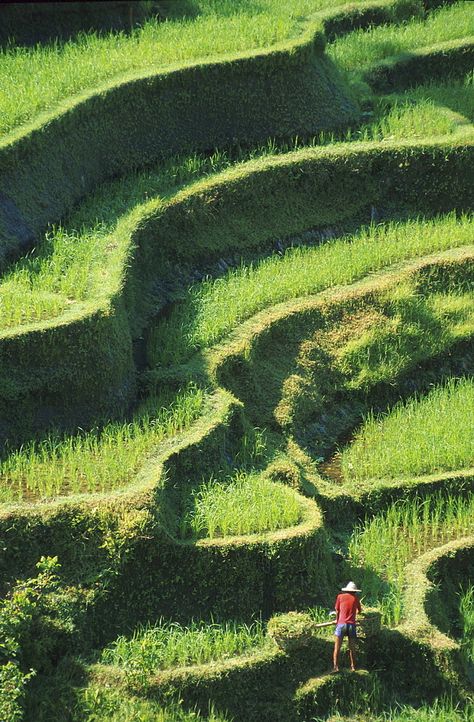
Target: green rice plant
466 610
98 460
436 108
423 435
36 79
215 307
247 504
407 120
440 710
382 546
362 48
102 704
167 645
413 326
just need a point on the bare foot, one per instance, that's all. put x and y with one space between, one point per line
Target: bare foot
353 669
336 669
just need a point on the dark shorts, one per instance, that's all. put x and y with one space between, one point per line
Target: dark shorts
346 630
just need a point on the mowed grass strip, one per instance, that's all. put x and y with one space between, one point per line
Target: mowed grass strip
37 79
215 307
246 504
99 460
168 645
382 547
424 435
362 48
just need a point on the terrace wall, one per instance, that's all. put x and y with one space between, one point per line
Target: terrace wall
241 210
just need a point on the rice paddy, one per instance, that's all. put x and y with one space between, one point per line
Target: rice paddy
443 710
99 460
37 79
245 504
79 260
167 645
437 108
362 48
421 436
84 258
215 307
99 704
382 547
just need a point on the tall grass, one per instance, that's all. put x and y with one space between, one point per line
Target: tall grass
466 610
430 109
441 710
102 704
214 308
362 48
382 547
169 645
424 435
435 108
98 460
412 326
37 79
247 504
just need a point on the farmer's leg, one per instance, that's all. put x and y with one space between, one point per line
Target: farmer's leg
352 650
337 649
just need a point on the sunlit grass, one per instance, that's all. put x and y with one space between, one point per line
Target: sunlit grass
97 460
362 48
36 79
246 504
102 704
167 645
466 610
415 326
438 711
424 435
79 260
382 547
215 307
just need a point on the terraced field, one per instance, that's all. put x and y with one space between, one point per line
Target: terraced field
236 333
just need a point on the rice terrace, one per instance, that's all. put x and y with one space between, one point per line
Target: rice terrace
237 361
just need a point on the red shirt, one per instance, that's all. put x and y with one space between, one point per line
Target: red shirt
347 605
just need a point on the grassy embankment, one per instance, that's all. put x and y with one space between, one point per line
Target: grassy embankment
107 705
71 263
46 75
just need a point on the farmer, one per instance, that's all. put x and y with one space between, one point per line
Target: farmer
347 605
